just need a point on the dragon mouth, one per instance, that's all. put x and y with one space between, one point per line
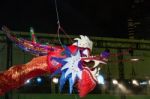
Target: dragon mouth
94 66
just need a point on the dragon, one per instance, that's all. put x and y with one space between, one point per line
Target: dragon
70 62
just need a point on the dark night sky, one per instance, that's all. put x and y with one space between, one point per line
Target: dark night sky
90 17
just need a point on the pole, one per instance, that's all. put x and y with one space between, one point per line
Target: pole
9 63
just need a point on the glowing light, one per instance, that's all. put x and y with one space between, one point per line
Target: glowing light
55 80
28 81
144 83
135 82
39 79
149 82
134 59
124 89
100 79
114 81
